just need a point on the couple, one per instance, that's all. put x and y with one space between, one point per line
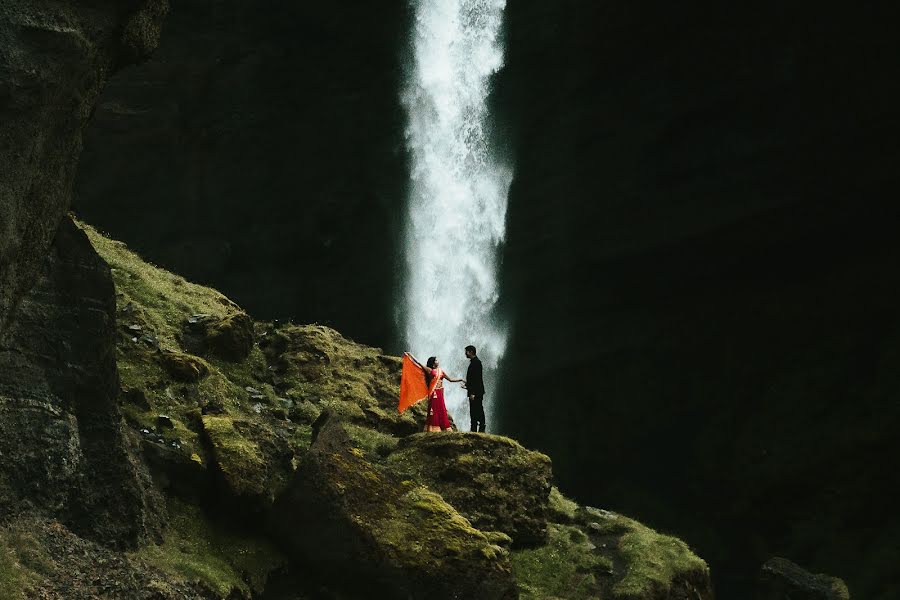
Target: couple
438 420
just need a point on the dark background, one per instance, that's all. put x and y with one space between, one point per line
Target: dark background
701 264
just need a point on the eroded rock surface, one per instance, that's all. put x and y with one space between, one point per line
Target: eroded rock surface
62 445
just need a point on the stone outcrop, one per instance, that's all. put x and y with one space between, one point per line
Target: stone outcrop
493 481
381 535
55 56
63 449
780 579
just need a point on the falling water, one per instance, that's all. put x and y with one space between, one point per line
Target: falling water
458 191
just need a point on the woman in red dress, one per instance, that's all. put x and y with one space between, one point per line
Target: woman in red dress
438 419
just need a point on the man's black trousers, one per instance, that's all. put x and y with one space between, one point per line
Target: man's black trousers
476 412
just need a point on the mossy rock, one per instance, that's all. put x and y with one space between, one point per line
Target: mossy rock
492 480
254 464
316 364
184 367
230 337
381 535
600 554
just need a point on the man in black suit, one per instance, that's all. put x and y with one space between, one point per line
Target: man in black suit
475 389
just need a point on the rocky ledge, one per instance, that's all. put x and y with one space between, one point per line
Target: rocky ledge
279 468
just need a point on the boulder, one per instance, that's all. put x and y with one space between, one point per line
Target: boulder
492 480
252 462
780 579
229 337
381 535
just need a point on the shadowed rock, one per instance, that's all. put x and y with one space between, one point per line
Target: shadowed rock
780 579
384 536
55 56
62 445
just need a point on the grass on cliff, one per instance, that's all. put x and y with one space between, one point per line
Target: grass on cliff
23 562
567 567
195 550
653 559
161 300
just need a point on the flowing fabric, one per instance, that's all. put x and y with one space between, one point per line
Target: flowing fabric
413 388
438 419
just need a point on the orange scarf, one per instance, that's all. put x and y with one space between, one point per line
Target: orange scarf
412 385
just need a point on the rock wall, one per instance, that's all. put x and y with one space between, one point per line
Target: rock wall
261 150
62 449
707 194
54 58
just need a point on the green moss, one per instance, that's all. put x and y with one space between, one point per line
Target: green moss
561 508
375 444
240 460
195 550
652 559
13 577
23 562
160 301
566 567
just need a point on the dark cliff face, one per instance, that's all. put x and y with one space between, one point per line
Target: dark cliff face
54 59
261 150
63 452
708 193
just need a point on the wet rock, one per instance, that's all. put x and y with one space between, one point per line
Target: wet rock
780 579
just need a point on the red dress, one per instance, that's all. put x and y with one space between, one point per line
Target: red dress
438 419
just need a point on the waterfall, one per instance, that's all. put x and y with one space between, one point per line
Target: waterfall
458 192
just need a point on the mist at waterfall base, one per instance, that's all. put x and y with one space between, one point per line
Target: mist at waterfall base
457 202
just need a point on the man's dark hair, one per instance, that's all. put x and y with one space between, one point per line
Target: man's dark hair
471 349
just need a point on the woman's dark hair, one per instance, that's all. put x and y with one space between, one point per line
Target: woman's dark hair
430 364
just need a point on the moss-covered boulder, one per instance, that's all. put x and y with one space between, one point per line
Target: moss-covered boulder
492 480
593 553
229 337
254 463
184 367
381 536
780 579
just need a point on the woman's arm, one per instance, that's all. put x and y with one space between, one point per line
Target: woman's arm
453 379
416 362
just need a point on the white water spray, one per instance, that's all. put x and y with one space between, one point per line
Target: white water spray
458 192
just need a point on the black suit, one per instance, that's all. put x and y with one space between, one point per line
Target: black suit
475 387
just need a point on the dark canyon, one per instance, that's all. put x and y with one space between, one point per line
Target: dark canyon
700 269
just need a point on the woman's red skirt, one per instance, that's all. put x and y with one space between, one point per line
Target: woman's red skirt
438 419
